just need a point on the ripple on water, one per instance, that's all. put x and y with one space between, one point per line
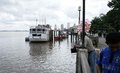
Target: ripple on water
17 56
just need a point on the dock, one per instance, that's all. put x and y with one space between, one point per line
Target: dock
59 35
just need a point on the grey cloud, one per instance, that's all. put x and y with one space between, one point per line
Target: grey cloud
72 12
25 11
55 11
5 2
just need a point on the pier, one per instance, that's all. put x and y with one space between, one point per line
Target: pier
60 35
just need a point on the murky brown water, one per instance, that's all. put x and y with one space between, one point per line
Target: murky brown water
18 56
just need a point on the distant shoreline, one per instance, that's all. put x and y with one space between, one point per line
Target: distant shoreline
14 31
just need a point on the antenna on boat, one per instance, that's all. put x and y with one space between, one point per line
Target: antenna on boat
45 20
42 21
39 21
36 21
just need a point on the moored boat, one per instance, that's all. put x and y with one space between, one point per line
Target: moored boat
40 33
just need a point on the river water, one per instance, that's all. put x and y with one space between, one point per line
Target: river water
18 56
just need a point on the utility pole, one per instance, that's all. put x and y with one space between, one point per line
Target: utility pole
83 27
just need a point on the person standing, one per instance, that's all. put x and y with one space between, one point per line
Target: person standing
91 53
109 59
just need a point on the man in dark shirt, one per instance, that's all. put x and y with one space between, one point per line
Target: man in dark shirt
109 59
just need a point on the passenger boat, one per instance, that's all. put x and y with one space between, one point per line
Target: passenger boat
40 33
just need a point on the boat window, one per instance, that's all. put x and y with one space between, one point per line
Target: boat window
38 29
33 29
39 34
34 34
30 30
43 30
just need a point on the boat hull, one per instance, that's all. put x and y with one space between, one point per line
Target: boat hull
38 40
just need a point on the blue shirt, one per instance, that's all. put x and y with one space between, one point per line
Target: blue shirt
110 61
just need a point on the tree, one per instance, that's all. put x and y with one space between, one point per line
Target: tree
98 24
115 4
110 21
114 14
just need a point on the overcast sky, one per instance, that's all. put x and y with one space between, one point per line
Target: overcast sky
21 14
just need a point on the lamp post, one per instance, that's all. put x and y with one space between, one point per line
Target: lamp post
79 9
83 27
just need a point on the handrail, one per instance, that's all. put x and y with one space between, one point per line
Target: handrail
78 63
82 65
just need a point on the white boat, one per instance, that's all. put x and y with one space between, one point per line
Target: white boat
40 33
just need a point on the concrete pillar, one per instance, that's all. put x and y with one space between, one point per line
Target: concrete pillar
82 65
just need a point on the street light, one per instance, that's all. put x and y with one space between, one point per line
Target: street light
79 9
83 27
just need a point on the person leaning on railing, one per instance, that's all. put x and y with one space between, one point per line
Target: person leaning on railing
91 52
109 59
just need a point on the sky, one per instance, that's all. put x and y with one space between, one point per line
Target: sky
21 14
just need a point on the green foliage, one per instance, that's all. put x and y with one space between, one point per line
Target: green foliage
115 4
110 21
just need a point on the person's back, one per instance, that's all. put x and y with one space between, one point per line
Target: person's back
109 60
88 44
91 53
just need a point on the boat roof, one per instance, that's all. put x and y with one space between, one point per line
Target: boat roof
41 26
